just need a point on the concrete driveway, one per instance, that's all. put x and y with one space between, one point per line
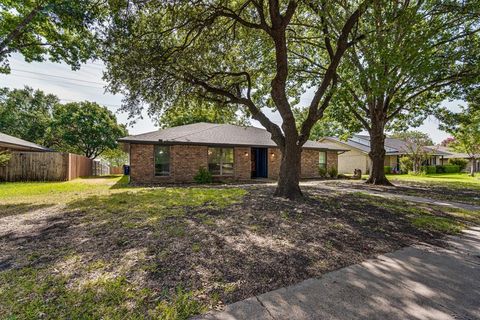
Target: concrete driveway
418 282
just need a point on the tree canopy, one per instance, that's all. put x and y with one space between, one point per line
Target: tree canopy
251 54
464 126
81 127
87 128
413 54
27 114
192 110
60 30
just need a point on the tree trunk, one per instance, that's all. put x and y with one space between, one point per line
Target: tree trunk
474 166
289 175
377 156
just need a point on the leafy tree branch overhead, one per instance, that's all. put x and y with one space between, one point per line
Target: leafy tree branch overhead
252 54
415 55
58 30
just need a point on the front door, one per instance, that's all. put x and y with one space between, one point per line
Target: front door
259 162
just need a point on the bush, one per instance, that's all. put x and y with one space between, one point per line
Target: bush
429 169
333 172
451 168
387 169
322 172
4 158
203 176
440 168
406 164
461 163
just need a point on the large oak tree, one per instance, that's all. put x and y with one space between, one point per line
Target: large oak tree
250 53
414 54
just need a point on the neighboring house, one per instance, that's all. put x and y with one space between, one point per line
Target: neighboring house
458 155
359 145
227 151
16 144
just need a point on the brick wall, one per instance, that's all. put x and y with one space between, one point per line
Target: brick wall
332 159
274 158
243 168
185 160
309 163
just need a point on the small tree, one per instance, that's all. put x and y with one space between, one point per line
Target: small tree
86 128
416 147
115 157
465 128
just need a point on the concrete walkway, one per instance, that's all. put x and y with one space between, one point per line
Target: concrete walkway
418 282
389 195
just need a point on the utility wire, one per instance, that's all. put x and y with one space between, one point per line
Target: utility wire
60 77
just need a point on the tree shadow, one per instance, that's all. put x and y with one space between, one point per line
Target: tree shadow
7 210
211 240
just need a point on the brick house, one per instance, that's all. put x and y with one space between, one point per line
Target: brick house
229 152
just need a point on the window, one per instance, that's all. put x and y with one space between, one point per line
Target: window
220 161
322 159
162 161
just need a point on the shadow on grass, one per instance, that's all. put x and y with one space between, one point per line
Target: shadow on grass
136 248
20 208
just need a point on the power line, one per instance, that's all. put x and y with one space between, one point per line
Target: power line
62 82
49 75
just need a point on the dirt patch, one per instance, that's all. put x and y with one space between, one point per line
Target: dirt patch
410 188
222 252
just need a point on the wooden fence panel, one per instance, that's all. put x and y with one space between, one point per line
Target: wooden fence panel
116 170
45 166
79 166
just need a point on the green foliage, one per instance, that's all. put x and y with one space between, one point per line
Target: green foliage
27 114
462 163
87 128
322 172
413 136
406 164
189 110
4 158
451 168
203 176
387 169
59 30
464 126
115 157
333 172
429 169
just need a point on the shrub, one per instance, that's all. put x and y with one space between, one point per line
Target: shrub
429 169
4 158
461 163
451 168
203 176
333 172
406 164
440 168
322 172
387 169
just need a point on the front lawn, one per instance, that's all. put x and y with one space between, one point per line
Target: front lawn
454 180
112 251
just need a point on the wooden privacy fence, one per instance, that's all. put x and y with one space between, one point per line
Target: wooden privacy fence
45 166
116 170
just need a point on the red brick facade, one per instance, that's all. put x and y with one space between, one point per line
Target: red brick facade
185 161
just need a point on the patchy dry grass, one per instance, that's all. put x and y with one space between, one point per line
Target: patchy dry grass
114 252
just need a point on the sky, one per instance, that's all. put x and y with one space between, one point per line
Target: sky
87 84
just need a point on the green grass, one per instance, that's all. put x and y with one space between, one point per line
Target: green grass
31 293
454 180
60 192
439 224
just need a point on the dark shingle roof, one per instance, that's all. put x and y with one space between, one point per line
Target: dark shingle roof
17 143
217 134
393 146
